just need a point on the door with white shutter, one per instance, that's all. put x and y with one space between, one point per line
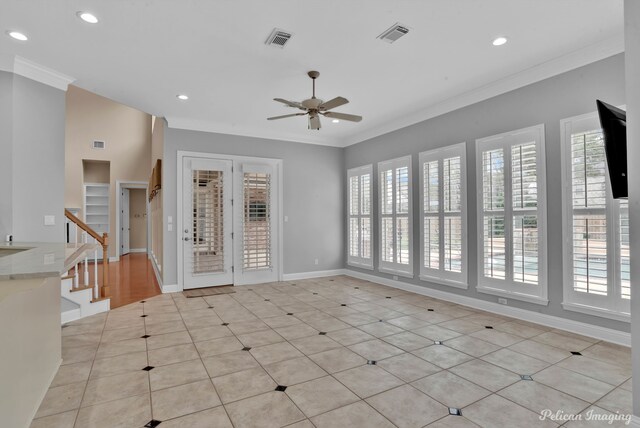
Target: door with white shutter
207 226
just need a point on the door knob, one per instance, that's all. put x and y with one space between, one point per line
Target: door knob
187 238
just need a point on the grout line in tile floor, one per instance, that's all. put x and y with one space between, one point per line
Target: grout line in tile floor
328 307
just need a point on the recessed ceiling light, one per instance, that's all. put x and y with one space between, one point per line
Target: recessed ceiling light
335 121
87 17
17 35
499 41
182 97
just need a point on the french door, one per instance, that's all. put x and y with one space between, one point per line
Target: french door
229 222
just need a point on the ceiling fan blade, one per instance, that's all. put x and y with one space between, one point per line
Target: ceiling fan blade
336 102
290 103
286 115
343 116
314 122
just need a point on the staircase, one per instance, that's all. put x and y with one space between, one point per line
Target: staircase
85 291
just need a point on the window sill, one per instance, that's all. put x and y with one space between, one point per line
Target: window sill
510 295
360 265
395 272
595 311
442 281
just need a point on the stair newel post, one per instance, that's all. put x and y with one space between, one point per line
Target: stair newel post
105 266
86 262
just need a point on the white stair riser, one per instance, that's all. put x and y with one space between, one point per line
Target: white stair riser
83 299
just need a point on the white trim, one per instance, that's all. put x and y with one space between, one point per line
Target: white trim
359 172
170 288
137 250
277 165
596 311
359 265
229 129
40 73
542 71
508 287
124 184
312 274
597 332
156 270
635 421
70 315
390 271
113 259
443 281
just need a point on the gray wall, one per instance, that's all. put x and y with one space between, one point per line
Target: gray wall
6 153
632 48
38 160
547 102
313 178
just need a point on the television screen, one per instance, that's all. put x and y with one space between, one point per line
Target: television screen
614 128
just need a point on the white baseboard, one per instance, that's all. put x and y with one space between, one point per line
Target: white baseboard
70 315
137 250
635 421
597 332
313 274
156 271
113 259
170 288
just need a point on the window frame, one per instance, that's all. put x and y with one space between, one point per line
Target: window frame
394 268
359 261
614 307
532 293
440 275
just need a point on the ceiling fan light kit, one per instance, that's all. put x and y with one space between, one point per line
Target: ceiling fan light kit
314 107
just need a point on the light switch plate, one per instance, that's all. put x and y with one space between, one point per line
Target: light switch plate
170 227
49 220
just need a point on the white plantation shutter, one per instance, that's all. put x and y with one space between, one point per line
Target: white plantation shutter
359 241
512 214
395 216
443 227
596 247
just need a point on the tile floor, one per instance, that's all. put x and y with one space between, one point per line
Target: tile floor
329 352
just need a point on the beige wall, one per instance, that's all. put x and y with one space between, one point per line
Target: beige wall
155 207
127 136
137 219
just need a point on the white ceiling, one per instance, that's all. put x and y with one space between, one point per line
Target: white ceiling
143 53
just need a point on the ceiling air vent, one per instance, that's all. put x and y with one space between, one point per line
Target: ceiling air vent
97 145
278 38
394 33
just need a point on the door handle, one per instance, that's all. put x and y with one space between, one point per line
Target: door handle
187 238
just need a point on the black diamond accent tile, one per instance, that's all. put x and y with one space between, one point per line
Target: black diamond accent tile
357 288
290 313
576 353
251 289
281 388
246 348
148 368
430 310
152 423
143 301
225 323
293 284
342 304
142 316
331 280
371 362
388 297
322 333
437 342
145 336
210 307
525 377
380 320
489 327
455 412
266 300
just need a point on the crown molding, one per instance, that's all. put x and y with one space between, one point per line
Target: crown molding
34 71
221 128
545 70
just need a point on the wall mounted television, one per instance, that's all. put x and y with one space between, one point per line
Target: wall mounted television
614 128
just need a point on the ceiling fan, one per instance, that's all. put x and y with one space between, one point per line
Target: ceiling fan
314 107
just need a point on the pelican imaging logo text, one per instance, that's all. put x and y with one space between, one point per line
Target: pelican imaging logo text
561 416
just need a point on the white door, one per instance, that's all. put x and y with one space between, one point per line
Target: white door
124 222
255 214
207 229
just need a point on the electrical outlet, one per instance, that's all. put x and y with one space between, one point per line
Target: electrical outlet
315 261
502 301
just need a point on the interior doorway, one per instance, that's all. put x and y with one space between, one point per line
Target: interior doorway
132 225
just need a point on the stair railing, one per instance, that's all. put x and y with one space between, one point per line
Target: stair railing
87 234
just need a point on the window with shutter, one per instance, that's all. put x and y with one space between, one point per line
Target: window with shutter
359 240
443 209
512 215
596 236
395 217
